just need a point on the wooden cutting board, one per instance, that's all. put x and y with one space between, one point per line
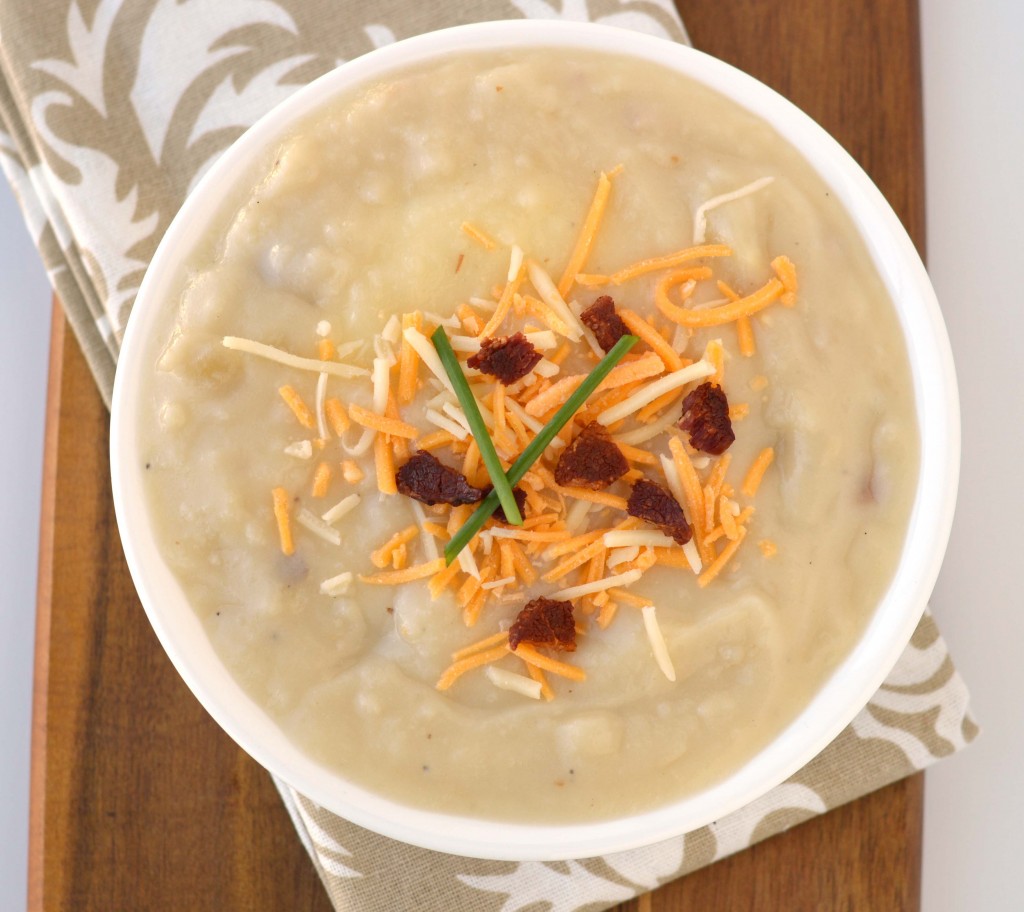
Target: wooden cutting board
139 801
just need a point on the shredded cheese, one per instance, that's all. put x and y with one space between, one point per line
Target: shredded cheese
341 508
657 639
755 473
317 526
282 516
334 368
301 449
609 582
700 216
651 391
509 680
337 585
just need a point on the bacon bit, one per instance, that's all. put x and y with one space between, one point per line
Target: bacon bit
283 518
544 622
520 497
321 479
752 481
706 417
351 472
509 358
604 322
651 502
426 479
591 461
768 547
336 416
298 406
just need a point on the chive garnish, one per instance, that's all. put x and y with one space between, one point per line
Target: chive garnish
502 488
537 446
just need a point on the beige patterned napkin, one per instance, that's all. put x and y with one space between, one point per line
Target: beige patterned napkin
111 110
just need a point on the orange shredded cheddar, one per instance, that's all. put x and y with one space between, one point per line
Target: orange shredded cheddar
530 655
587 236
739 411
396 577
284 523
382 556
635 454
325 350
768 547
385 425
745 336
752 481
434 440
336 417
384 464
646 333
786 272
715 316
484 240
443 580
655 264
298 406
538 675
457 669
715 353
471 321
471 613
504 304
321 479
480 645
631 598
523 566
723 558
351 472
693 491
408 359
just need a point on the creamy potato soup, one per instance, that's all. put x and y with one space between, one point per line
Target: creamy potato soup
297 380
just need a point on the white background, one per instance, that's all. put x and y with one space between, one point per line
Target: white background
974 123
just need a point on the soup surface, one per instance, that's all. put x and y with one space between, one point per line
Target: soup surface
490 195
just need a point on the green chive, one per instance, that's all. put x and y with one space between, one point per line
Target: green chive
537 446
502 488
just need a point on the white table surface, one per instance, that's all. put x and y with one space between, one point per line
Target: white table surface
974 132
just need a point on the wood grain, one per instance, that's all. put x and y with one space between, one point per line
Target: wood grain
139 801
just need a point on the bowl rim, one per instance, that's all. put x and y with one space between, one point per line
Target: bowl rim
850 686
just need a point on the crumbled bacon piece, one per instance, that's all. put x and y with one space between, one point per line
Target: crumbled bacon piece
544 622
509 358
591 461
425 478
706 417
604 321
519 494
651 502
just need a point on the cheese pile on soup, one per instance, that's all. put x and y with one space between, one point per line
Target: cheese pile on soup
713 525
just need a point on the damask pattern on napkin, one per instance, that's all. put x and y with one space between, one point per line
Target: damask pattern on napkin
108 118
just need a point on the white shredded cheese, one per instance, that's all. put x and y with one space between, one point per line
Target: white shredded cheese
588 333
658 646
548 292
343 506
348 348
484 303
642 538
700 462
646 431
455 412
362 444
321 396
430 552
381 384
504 581
468 563
428 355
251 347
515 262
337 585
541 339
692 556
446 424
317 526
545 368
301 449
509 680
452 322
700 222
577 514
621 555
656 388
609 582
323 329
392 331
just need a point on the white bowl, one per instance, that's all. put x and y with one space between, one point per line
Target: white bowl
853 682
